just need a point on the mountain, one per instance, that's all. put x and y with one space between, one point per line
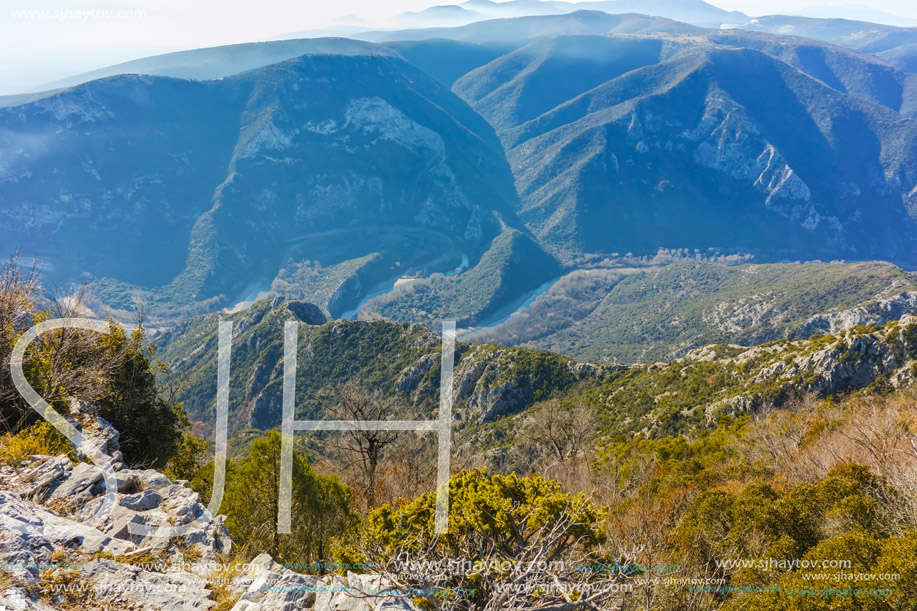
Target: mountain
513 265
337 171
629 315
333 31
856 12
903 57
444 15
695 12
223 61
631 144
395 359
513 8
528 28
446 60
496 386
860 35
400 200
861 75
689 11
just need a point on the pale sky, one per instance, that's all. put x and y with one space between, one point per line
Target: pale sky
45 40
905 8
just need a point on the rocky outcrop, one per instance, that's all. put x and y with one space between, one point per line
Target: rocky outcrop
359 593
137 587
860 358
52 538
412 376
507 398
495 382
274 587
31 533
877 312
55 557
307 312
854 360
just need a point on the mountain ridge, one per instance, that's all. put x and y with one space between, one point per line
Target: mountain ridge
693 101
248 131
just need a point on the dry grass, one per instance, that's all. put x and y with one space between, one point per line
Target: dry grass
65 589
803 444
40 438
220 583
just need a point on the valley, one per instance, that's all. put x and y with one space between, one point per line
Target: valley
648 138
677 244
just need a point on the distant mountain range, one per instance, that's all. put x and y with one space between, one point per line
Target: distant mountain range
855 12
631 144
529 28
219 62
689 11
336 170
493 385
662 312
895 45
892 43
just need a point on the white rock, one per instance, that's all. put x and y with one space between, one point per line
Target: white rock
170 591
274 588
28 529
14 599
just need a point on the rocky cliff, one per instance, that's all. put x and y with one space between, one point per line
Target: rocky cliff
55 556
396 359
866 358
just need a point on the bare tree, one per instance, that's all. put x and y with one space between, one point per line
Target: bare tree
408 468
878 430
19 291
779 438
61 365
364 447
565 435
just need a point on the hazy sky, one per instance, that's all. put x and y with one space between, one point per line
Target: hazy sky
905 8
45 40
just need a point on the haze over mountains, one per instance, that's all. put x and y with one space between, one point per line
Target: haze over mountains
208 184
463 166
689 11
678 252
725 146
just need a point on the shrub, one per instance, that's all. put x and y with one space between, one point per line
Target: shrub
40 438
320 506
498 525
150 426
189 457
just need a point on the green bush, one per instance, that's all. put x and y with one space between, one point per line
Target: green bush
491 518
189 457
320 506
150 426
40 438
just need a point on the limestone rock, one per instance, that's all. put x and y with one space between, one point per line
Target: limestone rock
412 376
359 593
30 534
275 588
149 590
877 312
45 509
15 599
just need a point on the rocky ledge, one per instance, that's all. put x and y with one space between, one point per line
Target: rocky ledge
55 557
